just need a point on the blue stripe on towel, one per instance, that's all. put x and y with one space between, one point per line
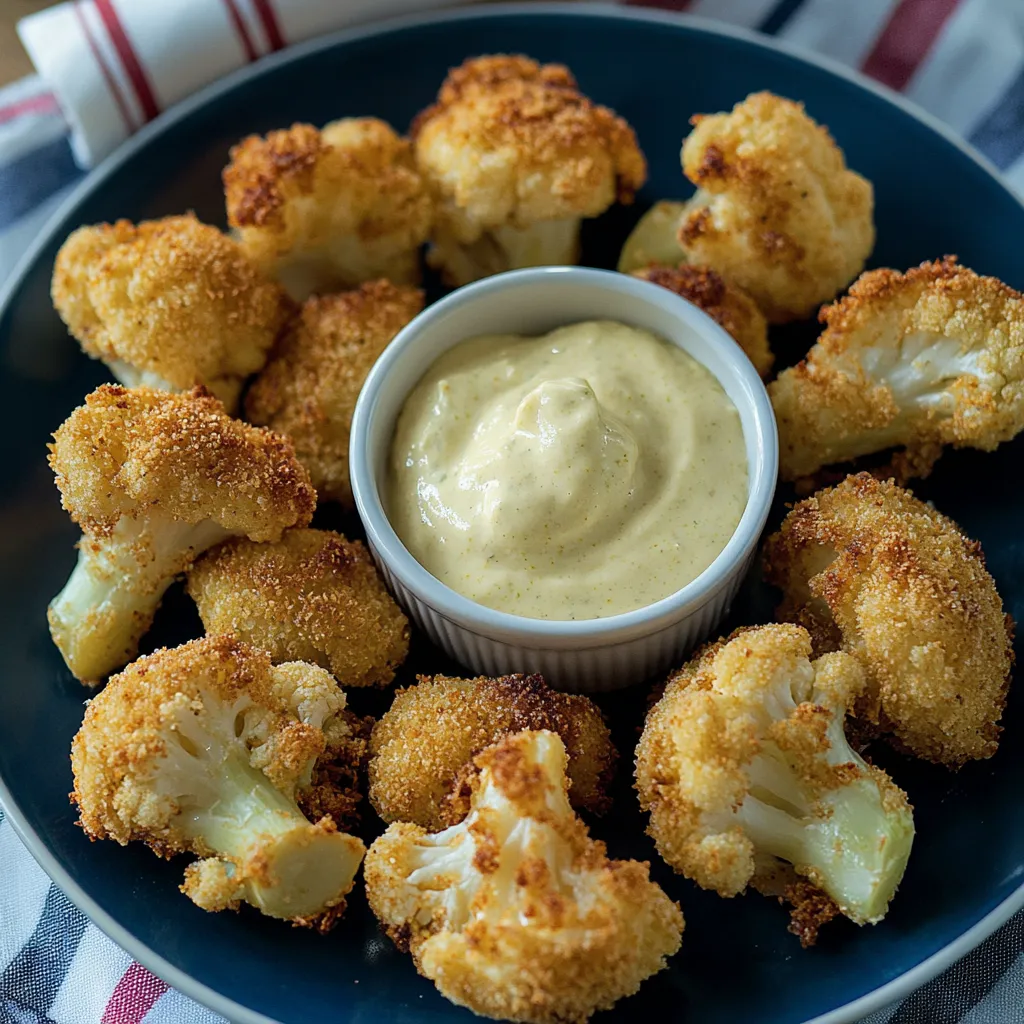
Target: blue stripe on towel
777 17
34 177
38 970
1000 136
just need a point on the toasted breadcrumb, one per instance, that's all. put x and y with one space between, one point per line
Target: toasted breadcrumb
743 763
917 361
322 210
313 596
777 211
871 570
309 388
423 746
131 452
204 749
517 913
171 303
515 155
727 305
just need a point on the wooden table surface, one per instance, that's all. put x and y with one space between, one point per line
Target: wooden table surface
14 62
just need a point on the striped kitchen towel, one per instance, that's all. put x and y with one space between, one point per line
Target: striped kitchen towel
108 66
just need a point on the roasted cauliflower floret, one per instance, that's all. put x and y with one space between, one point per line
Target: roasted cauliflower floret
515 156
743 762
871 570
310 386
516 913
655 239
203 749
423 747
167 303
312 596
154 479
776 209
322 210
915 361
726 304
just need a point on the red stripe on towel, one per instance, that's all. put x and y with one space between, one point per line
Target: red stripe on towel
44 103
908 35
108 77
235 16
129 59
133 996
270 24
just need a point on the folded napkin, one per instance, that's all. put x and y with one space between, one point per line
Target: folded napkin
108 66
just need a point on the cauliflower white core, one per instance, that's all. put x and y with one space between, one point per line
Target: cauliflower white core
655 239
545 243
515 912
117 584
744 761
269 854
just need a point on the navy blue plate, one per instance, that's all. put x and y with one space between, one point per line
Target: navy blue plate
737 964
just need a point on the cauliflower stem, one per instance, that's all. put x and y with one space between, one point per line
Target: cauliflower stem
267 853
117 585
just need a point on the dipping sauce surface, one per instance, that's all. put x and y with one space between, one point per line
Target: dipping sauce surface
577 475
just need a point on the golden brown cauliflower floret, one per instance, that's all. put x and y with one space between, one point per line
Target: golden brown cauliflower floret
326 209
309 388
743 762
871 570
516 913
204 749
729 306
515 156
422 749
167 303
312 596
154 479
776 211
918 360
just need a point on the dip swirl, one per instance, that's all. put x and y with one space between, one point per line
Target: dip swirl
581 474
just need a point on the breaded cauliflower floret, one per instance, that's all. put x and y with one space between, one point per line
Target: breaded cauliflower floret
517 913
312 596
726 304
776 211
515 156
326 209
154 479
310 386
167 303
918 360
422 748
743 762
871 570
204 749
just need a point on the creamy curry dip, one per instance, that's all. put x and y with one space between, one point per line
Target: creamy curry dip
584 473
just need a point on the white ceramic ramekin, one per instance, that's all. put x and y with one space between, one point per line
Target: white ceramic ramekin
592 654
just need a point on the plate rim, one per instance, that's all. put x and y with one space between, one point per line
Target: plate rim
892 991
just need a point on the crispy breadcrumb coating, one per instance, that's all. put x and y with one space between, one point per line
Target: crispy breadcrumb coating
918 360
313 596
154 479
870 569
743 763
167 303
727 305
776 211
423 747
517 913
204 749
515 155
327 209
309 388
